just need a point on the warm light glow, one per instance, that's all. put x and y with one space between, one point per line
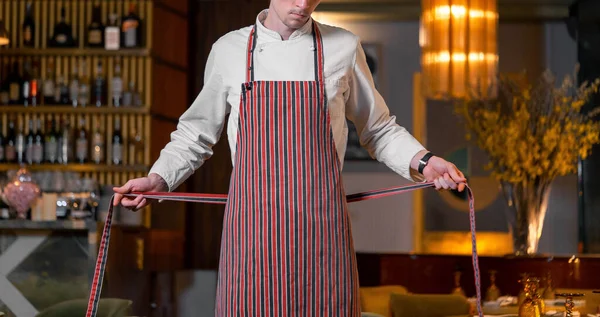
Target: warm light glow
458 43
4 41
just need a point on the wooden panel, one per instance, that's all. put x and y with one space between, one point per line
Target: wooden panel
170 44
181 6
170 91
434 273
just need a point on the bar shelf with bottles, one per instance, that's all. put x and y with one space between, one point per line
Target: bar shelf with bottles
80 71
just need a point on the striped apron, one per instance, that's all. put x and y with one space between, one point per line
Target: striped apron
287 247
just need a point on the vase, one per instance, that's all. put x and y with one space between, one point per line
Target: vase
527 206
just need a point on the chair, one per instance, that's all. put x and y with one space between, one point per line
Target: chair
376 299
426 305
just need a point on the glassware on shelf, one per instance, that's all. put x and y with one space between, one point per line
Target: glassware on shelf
532 305
21 193
569 303
493 292
457 288
549 291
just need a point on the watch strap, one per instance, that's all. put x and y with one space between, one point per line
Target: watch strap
424 160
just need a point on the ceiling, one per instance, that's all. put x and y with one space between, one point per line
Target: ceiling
509 10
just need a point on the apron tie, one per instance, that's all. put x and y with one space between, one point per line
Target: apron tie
96 286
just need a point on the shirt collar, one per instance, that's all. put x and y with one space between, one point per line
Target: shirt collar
270 35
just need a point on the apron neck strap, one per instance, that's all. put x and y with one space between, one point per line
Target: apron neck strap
317 50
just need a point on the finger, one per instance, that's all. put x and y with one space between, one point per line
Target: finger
449 181
141 205
117 199
132 203
461 187
436 182
443 183
454 173
125 188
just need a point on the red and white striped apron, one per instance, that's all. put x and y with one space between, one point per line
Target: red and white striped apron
287 247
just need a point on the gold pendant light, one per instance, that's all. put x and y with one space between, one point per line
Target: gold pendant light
458 48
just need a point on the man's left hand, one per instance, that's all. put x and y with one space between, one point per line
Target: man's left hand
444 174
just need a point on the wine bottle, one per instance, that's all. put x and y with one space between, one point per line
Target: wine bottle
117 86
95 30
66 144
117 143
84 87
131 28
14 85
74 87
81 144
10 152
38 143
29 143
51 144
136 148
112 33
49 89
97 145
99 86
4 86
34 83
20 144
29 27
63 32
26 83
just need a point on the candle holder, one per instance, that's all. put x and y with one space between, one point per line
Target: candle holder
569 304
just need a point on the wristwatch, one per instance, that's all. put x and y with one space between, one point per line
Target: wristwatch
423 161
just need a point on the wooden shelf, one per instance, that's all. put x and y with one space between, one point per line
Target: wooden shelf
69 109
73 52
74 167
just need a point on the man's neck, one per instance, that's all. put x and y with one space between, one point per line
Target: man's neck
272 22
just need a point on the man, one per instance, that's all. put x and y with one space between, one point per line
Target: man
288 83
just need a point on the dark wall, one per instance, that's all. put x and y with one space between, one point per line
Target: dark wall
211 19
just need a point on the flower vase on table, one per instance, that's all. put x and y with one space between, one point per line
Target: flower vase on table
531 135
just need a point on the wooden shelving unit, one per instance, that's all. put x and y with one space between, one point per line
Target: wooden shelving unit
136 66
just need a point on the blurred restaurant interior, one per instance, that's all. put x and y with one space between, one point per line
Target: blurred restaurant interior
90 91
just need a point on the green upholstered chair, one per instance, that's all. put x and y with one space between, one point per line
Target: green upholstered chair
426 305
107 307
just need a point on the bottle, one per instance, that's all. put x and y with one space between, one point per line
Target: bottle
34 83
74 88
4 86
84 87
51 143
62 91
128 94
117 143
97 145
63 32
136 149
20 145
95 30
66 144
26 83
29 27
131 29
49 92
117 86
14 85
112 33
99 86
38 143
81 144
10 151
29 143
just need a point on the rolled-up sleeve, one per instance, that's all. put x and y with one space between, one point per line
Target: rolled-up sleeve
198 130
379 133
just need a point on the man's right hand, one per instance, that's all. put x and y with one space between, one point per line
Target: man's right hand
152 183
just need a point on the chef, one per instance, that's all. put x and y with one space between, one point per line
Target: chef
288 84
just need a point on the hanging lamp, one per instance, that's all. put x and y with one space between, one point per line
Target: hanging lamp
459 48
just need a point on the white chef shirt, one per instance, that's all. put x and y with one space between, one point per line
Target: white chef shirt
349 87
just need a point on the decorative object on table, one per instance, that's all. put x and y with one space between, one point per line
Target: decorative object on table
532 305
458 290
21 193
569 304
493 292
531 135
549 290
523 283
